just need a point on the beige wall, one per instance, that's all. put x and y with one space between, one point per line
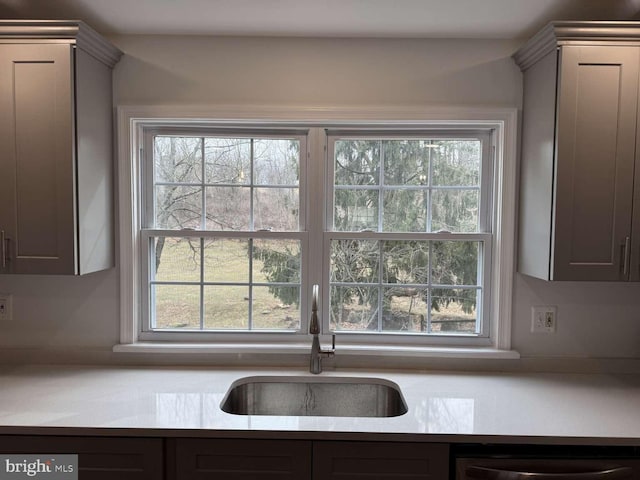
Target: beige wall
594 320
315 72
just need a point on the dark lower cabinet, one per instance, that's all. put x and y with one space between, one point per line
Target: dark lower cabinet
238 459
383 461
99 458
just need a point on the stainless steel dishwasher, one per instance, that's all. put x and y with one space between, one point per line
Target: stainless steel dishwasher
548 463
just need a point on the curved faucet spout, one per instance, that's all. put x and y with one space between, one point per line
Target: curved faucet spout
314 325
317 353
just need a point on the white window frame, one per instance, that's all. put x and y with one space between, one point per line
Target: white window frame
149 231
130 122
485 234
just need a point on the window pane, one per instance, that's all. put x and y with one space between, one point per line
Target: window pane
454 210
406 162
354 308
404 310
457 163
176 306
276 261
175 259
405 211
226 307
226 260
276 209
228 208
405 262
227 160
355 210
178 207
178 159
453 310
276 162
276 308
455 263
357 162
354 261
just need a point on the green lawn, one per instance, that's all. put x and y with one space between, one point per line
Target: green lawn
225 306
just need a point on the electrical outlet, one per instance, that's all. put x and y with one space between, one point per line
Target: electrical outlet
5 307
544 319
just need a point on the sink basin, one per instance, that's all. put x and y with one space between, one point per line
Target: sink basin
315 396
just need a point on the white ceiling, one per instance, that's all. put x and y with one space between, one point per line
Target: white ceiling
325 18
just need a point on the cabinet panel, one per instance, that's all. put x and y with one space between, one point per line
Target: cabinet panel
235 459
95 163
597 101
37 157
98 458
536 171
372 461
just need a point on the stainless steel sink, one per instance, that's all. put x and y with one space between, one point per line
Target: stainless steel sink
315 396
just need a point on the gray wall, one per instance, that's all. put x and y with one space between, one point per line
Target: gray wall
78 317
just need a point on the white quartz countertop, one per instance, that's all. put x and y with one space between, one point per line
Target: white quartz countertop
442 406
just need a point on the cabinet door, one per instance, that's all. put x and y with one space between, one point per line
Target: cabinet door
37 157
595 134
380 460
98 458
235 459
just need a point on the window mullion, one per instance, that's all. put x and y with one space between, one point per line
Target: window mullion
380 280
251 186
203 225
429 190
201 283
430 289
250 320
381 188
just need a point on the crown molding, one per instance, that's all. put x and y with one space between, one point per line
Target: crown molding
74 31
556 34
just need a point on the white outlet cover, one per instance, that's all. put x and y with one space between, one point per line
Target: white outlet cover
539 315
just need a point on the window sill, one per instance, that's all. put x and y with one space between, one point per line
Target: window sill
304 348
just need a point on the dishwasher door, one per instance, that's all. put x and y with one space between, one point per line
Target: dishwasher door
497 468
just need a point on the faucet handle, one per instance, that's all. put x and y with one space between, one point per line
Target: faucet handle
331 351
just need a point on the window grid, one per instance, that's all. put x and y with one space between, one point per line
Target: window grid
428 287
479 234
382 188
201 234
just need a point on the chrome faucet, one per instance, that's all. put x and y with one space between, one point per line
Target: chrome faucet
315 364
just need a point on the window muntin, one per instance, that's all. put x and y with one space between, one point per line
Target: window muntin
419 299
405 286
219 208
222 183
406 184
411 242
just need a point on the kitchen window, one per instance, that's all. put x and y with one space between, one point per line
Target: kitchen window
222 240
409 243
401 224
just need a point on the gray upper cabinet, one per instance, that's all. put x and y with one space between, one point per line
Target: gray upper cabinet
579 135
56 148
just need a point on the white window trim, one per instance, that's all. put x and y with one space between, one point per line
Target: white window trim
504 120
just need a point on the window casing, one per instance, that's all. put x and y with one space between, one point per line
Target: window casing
405 292
213 224
317 190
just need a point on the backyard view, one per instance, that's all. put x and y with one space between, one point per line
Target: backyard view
253 281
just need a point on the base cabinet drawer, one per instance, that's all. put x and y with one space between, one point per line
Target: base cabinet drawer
380 461
99 458
238 459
